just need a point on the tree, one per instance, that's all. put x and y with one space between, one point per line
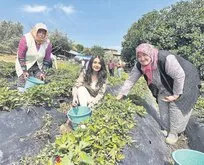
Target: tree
60 42
86 51
10 34
79 48
97 51
178 28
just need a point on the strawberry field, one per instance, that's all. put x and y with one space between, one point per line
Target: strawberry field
104 136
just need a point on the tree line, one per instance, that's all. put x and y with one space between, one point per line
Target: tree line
11 32
178 28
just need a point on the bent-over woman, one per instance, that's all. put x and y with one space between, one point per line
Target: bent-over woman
173 81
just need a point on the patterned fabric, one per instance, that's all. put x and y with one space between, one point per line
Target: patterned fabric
111 65
153 54
81 82
171 117
22 49
29 52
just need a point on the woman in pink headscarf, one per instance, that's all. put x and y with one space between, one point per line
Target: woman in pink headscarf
34 54
173 81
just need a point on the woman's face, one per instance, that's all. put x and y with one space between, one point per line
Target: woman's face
96 65
41 34
143 58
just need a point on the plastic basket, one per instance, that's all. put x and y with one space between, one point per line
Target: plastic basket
78 114
32 81
188 157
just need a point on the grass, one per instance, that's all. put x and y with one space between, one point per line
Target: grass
7 58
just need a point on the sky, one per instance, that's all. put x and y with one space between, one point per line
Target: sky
88 22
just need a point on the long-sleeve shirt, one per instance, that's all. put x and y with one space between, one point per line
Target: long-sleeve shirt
172 68
22 49
111 65
81 82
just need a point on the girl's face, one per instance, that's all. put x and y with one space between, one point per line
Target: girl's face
143 59
96 65
41 34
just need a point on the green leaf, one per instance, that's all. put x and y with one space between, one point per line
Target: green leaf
66 161
86 158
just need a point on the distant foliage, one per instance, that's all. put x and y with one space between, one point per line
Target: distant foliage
179 28
10 34
97 51
60 42
86 51
79 48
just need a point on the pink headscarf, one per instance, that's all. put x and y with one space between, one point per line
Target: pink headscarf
152 52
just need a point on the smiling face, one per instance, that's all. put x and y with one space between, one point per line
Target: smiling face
96 65
143 58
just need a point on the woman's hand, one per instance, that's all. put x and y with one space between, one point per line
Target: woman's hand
119 97
42 76
75 102
25 74
170 98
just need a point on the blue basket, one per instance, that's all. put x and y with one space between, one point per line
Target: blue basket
78 114
32 81
188 157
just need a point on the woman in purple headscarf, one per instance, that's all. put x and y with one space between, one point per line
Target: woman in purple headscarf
173 81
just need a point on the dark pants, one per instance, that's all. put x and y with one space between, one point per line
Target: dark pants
111 71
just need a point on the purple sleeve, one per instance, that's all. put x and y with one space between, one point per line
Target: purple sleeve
22 49
48 52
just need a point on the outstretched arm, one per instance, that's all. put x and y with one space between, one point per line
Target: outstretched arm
129 83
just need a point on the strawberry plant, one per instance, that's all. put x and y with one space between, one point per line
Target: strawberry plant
9 99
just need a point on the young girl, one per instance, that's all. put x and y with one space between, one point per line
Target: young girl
90 86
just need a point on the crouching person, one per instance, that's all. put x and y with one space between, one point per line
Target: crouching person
34 54
90 86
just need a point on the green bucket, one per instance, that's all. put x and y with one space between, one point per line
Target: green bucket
32 81
78 114
188 157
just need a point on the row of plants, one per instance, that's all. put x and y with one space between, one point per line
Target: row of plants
101 141
59 84
199 107
7 69
114 81
105 134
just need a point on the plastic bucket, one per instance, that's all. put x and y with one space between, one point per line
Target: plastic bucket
188 157
78 114
32 81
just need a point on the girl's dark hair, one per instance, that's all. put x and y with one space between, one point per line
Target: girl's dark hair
102 74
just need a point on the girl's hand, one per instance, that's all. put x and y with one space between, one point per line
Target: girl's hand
119 97
75 102
170 98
